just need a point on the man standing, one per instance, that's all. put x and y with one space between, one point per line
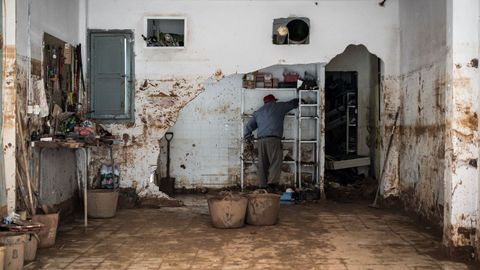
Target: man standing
268 120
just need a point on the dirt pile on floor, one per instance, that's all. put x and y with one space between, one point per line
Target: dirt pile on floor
347 185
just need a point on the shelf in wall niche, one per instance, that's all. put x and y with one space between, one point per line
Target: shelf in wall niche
286 116
283 140
270 89
256 161
308 164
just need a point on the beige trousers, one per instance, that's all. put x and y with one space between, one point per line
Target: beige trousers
270 159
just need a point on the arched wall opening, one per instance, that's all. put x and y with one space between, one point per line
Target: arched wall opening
353 106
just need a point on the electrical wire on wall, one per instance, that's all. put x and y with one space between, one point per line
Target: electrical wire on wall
29 59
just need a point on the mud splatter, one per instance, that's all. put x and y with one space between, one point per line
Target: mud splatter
469 120
473 63
218 75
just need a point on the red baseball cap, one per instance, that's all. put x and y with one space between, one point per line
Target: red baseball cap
269 98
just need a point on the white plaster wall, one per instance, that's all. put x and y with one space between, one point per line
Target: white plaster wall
58 18
234 37
205 150
422 133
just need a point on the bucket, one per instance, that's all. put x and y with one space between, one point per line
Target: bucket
102 203
263 208
2 257
31 244
228 211
14 244
48 232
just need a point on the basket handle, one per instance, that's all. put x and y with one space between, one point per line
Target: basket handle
226 194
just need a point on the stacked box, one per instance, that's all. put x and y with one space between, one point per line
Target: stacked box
290 77
249 84
249 81
268 83
260 76
250 77
275 83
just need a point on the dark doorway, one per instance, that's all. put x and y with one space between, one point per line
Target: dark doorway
341 90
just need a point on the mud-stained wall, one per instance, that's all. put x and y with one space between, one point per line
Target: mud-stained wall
8 99
157 104
422 119
3 191
462 109
236 45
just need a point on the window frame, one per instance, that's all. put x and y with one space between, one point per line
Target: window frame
124 118
145 29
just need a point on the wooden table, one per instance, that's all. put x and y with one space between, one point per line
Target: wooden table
69 145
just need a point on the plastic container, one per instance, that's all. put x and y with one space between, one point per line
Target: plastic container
14 250
263 208
48 233
286 196
102 203
31 245
228 211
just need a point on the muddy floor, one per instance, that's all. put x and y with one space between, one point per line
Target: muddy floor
315 236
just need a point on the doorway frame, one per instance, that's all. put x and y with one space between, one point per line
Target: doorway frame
378 117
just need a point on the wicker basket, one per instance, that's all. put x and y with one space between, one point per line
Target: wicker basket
228 211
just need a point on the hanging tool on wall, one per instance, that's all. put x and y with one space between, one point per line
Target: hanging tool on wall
390 140
81 93
167 184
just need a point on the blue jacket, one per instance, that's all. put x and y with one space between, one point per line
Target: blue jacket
269 119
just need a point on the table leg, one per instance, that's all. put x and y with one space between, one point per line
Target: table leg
85 184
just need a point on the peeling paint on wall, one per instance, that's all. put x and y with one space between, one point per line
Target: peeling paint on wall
157 105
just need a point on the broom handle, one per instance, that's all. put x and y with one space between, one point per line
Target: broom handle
387 155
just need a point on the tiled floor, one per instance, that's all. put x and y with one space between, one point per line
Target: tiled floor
316 236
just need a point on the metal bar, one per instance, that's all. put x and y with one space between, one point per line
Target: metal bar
85 184
242 110
299 149
321 145
317 148
295 147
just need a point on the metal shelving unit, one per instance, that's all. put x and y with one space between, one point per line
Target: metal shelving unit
309 113
351 129
312 122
